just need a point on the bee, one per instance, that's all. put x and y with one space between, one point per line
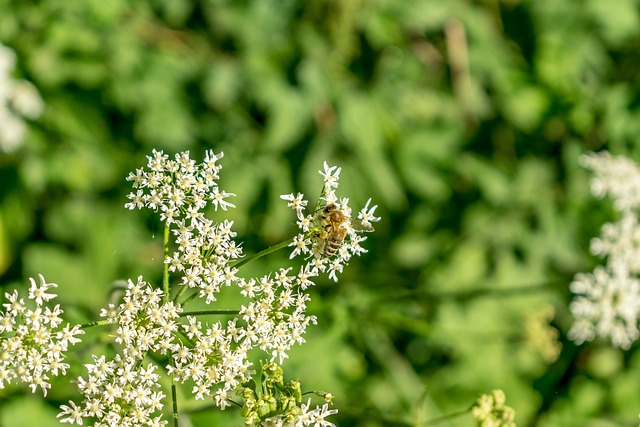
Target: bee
333 232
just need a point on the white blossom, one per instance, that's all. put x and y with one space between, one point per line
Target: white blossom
614 176
607 302
315 231
212 356
122 390
33 346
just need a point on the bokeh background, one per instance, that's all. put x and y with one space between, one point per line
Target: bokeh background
463 120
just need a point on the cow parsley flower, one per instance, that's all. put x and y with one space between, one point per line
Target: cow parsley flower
123 391
170 185
118 392
276 318
607 301
620 241
213 356
615 176
340 233
33 342
607 304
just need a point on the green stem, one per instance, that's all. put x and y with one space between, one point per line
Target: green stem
470 294
95 323
447 417
189 298
206 312
235 403
181 290
165 269
260 254
174 397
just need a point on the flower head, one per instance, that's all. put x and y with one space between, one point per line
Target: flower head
123 391
329 234
33 344
607 304
170 185
280 404
607 301
614 176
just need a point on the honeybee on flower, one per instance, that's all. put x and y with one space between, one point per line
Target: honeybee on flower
329 234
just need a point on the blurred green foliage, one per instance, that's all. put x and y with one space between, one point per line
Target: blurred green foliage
463 120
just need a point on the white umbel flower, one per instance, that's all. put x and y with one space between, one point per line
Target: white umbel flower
607 302
33 345
615 176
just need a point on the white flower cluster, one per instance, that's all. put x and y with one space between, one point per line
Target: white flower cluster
316 231
607 304
181 190
18 98
615 176
178 187
214 356
274 319
213 359
122 391
118 392
32 342
607 301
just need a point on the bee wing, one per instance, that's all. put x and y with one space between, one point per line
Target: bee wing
360 226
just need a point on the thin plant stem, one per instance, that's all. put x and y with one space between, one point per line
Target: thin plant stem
181 290
165 269
189 298
464 295
235 403
165 285
174 397
262 253
95 323
447 417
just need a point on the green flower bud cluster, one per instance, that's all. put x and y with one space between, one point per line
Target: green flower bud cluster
490 411
273 397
